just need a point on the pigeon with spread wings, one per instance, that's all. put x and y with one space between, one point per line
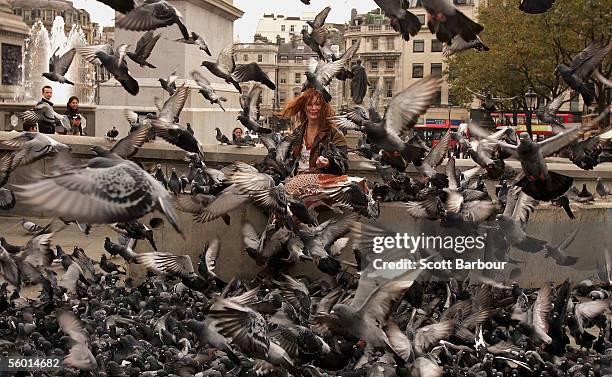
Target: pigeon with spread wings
153 14
144 47
250 111
113 61
226 69
58 66
206 90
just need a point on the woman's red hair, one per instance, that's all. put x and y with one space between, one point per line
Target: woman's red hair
296 107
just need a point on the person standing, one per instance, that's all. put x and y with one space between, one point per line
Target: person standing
46 126
74 115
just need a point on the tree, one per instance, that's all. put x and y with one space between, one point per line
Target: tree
526 48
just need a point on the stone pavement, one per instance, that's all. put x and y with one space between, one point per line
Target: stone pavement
93 244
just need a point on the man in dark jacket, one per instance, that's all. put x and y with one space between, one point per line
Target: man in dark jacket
46 127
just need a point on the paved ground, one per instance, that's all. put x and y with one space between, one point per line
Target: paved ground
93 244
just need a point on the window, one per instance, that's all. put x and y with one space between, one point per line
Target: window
283 80
282 27
11 60
418 45
390 64
374 43
298 78
436 69
375 65
292 28
389 89
353 41
390 43
436 45
438 98
259 58
297 59
417 70
575 102
421 18
305 27
245 57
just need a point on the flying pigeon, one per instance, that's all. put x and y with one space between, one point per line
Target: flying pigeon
250 111
206 89
144 47
113 61
151 15
402 21
58 66
197 40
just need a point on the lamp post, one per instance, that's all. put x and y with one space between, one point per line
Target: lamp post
450 107
531 100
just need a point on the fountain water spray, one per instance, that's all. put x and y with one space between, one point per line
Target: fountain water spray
38 49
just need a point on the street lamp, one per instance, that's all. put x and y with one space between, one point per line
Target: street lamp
450 107
531 100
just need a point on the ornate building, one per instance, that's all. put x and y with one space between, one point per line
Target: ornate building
46 10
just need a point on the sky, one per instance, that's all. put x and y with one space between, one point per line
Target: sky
244 28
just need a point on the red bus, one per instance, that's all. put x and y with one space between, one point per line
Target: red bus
542 130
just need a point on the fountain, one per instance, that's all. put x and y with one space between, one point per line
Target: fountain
38 49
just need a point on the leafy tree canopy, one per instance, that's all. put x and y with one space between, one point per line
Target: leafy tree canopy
526 48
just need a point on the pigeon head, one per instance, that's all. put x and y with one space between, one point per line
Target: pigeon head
208 64
343 312
524 137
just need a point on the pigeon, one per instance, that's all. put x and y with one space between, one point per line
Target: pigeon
80 356
27 148
250 111
174 184
197 40
402 21
536 6
206 89
197 205
221 138
169 84
112 134
43 112
585 153
320 74
582 68
30 226
151 15
123 6
458 45
446 21
317 37
601 189
189 129
225 68
125 148
548 114
7 199
110 267
307 2
400 117
170 265
160 176
488 101
58 66
116 249
144 47
96 199
536 180
114 62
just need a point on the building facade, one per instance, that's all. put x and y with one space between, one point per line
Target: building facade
278 28
13 31
380 52
31 11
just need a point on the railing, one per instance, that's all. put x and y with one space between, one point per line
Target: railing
374 27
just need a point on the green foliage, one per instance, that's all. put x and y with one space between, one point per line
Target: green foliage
526 48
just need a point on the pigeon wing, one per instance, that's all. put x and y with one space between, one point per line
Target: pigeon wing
146 43
167 264
62 64
588 59
174 105
404 109
129 145
149 16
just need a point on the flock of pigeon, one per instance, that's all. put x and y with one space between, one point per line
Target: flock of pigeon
185 320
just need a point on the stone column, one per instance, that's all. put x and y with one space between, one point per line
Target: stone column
211 19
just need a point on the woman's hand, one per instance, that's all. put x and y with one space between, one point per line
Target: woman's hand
322 162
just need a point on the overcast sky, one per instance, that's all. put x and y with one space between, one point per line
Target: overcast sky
244 28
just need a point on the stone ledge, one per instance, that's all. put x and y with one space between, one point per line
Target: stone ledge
227 154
